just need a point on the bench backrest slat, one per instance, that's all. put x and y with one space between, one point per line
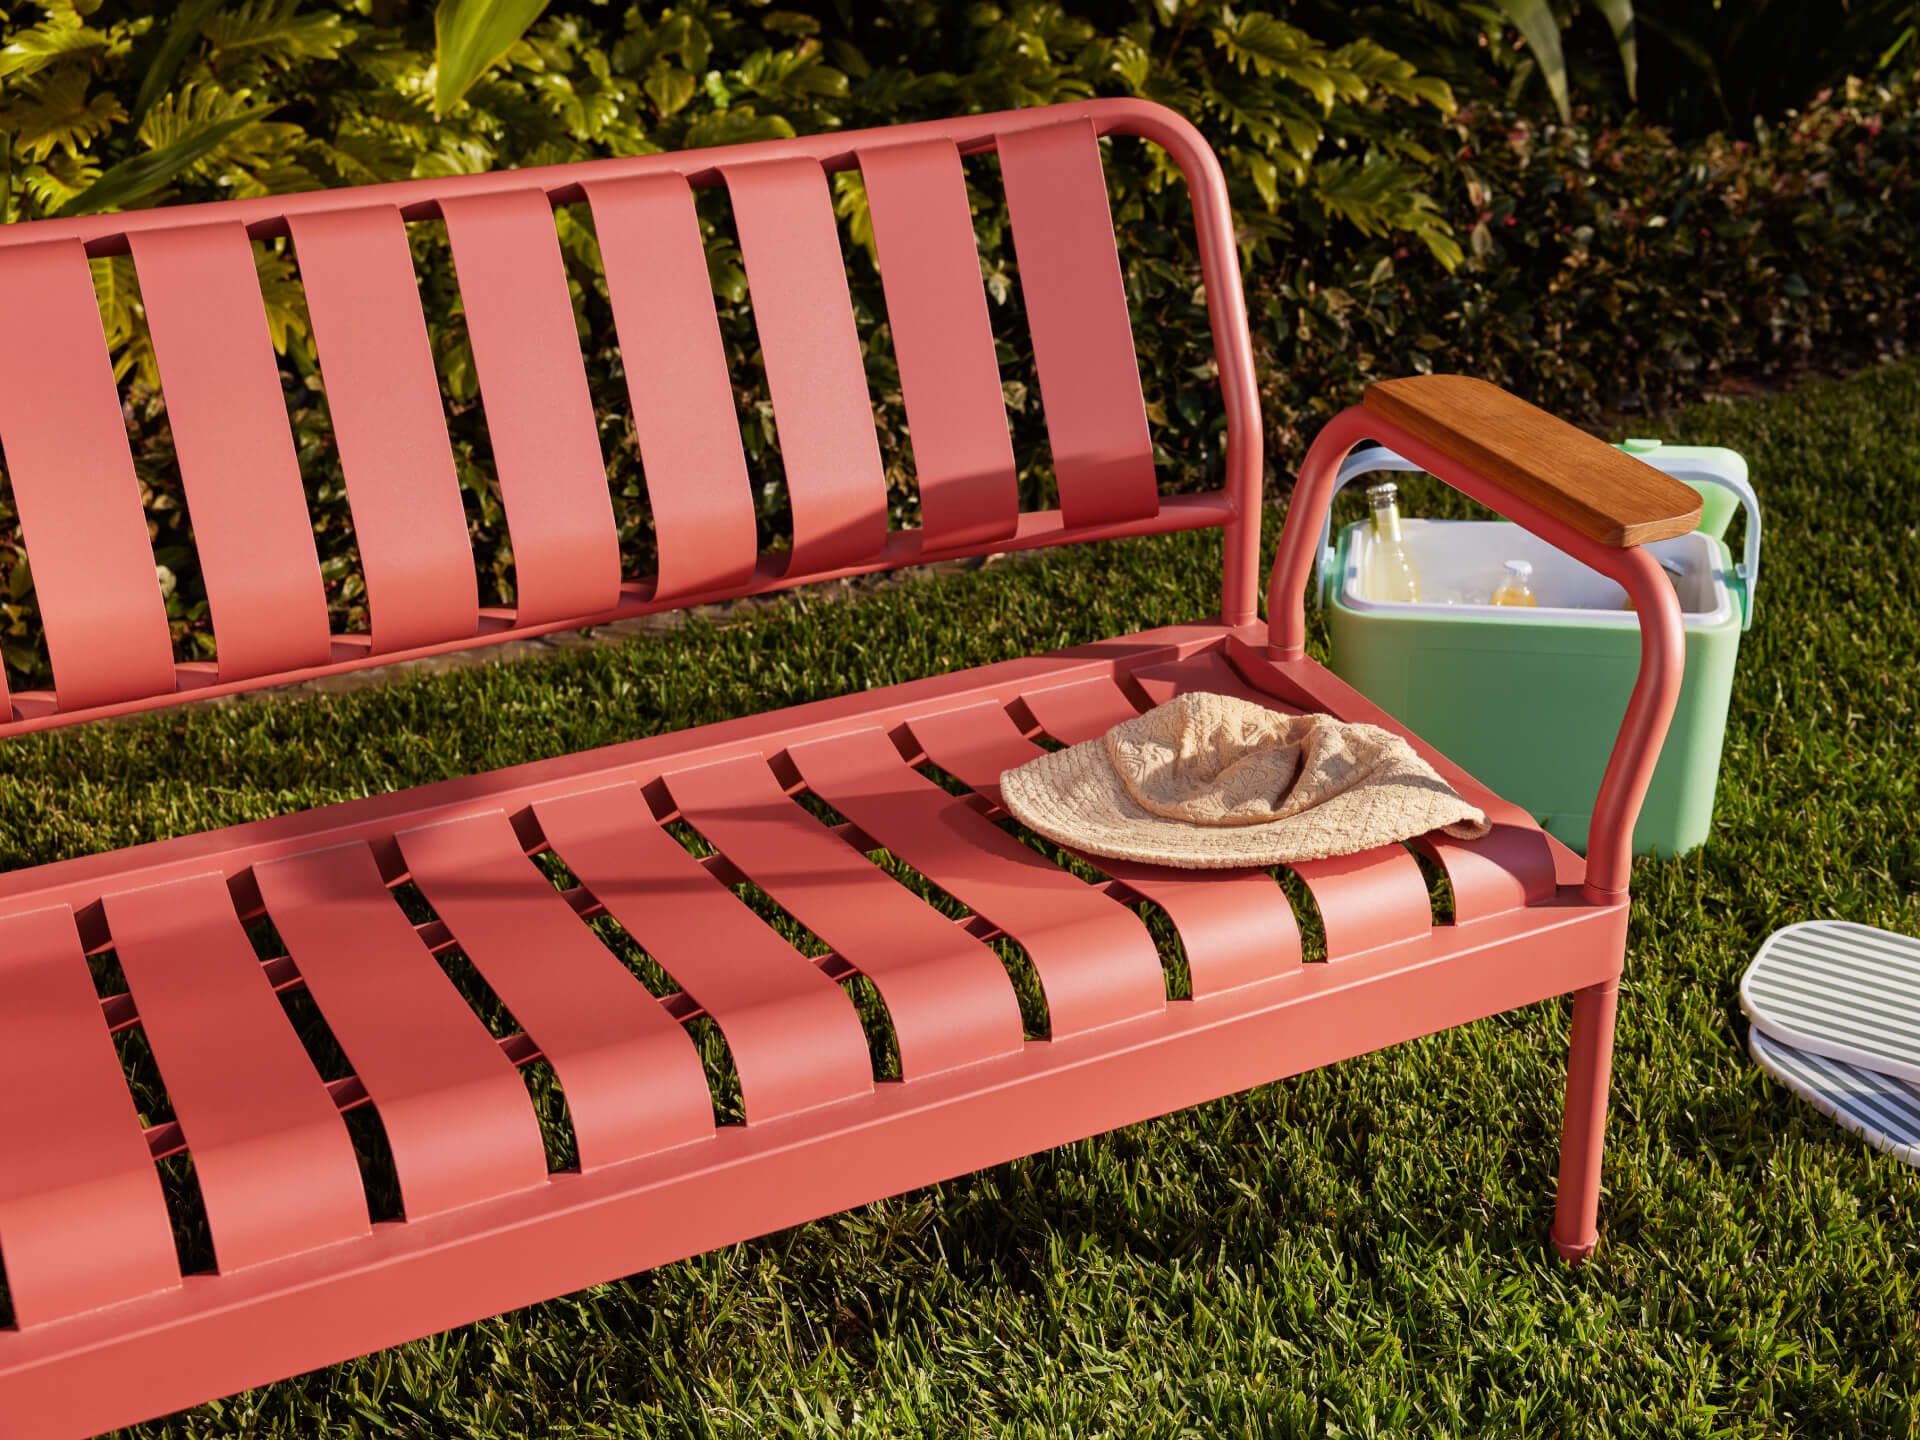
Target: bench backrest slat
816 375
681 393
74 486
390 424
533 384
235 447
943 342
66 448
1077 311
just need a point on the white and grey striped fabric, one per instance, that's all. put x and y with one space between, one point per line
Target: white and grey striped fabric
1846 992
1881 1110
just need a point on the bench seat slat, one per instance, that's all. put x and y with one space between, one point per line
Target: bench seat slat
272 1155
390 425
221 383
455 1112
943 341
1097 964
1076 304
82 1220
794 1035
533 386
73 484
631 1076
1084 710
682 396
947 995
803 315
1235 925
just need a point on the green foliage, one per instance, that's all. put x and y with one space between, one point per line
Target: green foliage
1540 28
1613 269
470 38
1714 66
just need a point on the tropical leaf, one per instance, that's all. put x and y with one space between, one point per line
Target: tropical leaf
63 35
850 204
140 176
252 160
1534 20
54 112
182 31
1274 49
736 127
1619 17
62 177
275 32
471 37
670 88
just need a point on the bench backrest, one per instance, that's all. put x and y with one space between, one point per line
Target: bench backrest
67 455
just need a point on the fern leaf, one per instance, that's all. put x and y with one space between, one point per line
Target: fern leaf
275 33
63 35
54 112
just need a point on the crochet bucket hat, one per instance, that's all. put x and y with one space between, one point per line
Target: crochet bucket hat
1211 782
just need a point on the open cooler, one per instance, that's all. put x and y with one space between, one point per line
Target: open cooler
1528 699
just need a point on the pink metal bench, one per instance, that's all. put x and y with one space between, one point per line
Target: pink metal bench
106 1329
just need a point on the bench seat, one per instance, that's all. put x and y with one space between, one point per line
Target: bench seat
301 1278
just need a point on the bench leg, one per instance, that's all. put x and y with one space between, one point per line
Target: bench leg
1576 1211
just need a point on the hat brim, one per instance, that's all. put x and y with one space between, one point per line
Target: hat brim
1075 798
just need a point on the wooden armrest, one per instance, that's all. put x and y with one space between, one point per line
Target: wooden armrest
1578 479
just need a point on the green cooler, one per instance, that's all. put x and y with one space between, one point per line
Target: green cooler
1528 700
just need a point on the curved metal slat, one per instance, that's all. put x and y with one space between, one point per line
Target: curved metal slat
631 1076
943 340
947 995
270 1152
783 210
1510 867
682 396
1077 312
237 462
1208 671
533 384
1096 963
82 1221
456 1114
1375 897
73 484
795 1037
1084 710
390 424
1235 925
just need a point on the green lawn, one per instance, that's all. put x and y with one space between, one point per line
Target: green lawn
1357 1252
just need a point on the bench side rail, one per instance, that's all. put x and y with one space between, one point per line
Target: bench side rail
71 471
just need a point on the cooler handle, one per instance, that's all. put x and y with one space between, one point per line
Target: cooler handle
1693 464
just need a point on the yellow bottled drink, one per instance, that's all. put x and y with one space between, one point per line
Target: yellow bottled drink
1390 574
1516 586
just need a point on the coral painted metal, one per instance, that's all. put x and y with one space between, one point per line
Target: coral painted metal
793 807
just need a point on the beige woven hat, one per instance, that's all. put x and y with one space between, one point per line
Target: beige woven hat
1210 782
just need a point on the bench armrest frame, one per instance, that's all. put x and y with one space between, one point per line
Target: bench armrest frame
1548 477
